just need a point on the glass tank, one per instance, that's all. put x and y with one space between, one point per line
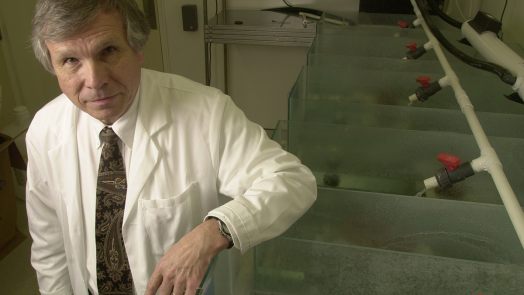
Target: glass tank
394 31
373 46
374 229
338 46
401 117
342 46
390 64
368 243
395 161
394 88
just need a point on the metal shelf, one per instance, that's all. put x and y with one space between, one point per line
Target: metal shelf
260 27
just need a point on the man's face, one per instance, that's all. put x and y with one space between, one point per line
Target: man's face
97 68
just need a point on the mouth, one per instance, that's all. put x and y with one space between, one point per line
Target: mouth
103 100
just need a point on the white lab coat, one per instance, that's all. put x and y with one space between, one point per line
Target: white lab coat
191 143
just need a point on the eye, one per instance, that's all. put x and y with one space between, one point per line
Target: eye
70 60
109 49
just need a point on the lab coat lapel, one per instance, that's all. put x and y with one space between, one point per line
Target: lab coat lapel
151 118
64 161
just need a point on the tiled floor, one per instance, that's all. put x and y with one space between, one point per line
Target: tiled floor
17 276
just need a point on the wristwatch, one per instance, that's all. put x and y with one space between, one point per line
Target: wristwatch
224 231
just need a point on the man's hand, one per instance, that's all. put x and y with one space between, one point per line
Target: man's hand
184 265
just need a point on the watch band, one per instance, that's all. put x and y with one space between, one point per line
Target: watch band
224 231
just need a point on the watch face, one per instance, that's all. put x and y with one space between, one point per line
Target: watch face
224 228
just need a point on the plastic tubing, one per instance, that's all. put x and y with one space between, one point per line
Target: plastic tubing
493 165
444 16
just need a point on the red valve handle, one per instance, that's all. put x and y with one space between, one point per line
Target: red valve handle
412 46
402 24
424 81
450 161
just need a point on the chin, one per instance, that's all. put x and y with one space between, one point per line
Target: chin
105 118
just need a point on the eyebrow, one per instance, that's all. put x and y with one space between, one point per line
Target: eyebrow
105 43
61 55
67 53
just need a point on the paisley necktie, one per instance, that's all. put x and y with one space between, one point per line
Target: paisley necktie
113 272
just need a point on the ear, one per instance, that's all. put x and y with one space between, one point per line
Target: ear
142 56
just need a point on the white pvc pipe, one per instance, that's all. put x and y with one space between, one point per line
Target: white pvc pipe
510 201
494 50
431 183
489 156
428 46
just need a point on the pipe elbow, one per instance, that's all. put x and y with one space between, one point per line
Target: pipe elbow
487 159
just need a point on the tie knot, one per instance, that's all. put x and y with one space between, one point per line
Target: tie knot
107 135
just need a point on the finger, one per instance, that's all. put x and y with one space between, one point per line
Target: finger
153 284
179 287
192 287
167 287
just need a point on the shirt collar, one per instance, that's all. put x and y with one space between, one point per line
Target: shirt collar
124 127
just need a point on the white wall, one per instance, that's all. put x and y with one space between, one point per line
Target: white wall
513 22
32 85
153 48
183 52
495 7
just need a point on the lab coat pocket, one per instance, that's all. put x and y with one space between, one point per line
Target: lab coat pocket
168 220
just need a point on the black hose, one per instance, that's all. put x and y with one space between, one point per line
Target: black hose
503 73
443 15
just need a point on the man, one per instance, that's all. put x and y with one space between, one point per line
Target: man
125 167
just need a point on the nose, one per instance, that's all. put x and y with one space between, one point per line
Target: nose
96 75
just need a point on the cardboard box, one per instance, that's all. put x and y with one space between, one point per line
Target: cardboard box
8 212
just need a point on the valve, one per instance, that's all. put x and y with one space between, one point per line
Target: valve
454 172
402 24
450 161
414 52
424 81
412 46
426 90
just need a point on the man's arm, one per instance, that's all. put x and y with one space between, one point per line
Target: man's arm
47 252
270 187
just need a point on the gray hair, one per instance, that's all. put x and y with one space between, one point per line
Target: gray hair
58 20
